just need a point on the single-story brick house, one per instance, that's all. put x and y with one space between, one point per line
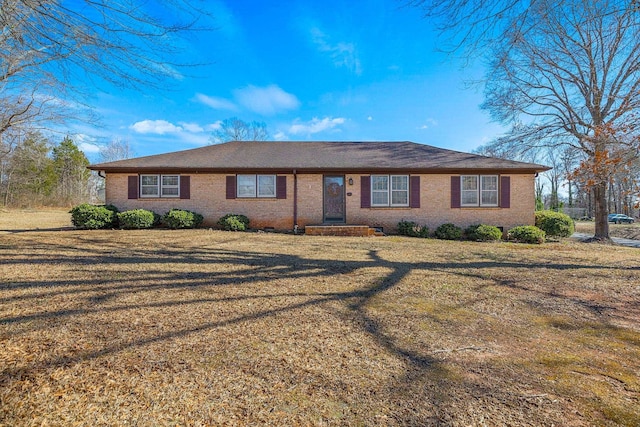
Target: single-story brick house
291 185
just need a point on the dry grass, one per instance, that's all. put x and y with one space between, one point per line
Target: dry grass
626 231
204 327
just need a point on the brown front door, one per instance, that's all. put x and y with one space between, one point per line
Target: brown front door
333 193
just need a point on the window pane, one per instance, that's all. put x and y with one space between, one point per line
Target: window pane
470 197
169 191
380 182
149 191
246 186
490 198
170 180
400 182
379 198
489 183
149 179
469 182
399 197
266 186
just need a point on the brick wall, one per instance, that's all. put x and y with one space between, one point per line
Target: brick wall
208 197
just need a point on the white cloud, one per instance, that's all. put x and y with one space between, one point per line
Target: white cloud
343 54
216 103
315 125
429 123
266 100
86 143
213 126
191 127
280 136
369 118
158 127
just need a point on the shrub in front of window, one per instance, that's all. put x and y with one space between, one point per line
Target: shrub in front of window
554 224
94 217
234 222
181 218
448 232
411 229
483 233
527 234
137 219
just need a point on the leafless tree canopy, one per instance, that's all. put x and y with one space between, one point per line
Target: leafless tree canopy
560 73
48 46
234 129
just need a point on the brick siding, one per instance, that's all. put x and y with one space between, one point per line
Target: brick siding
208 197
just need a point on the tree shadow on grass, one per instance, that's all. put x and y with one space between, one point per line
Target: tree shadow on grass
239 269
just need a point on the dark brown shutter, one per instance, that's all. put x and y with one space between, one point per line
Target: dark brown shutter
455 192
185 187
133 186
365 191
414 192
231 187
505 191
281 187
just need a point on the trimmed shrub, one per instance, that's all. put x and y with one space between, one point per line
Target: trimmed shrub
234 222
137 218
527 234
448 232
181 218
94 217
411 229
483 233
554 224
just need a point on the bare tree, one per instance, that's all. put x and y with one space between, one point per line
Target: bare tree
47 47
234 129
117 149
561 73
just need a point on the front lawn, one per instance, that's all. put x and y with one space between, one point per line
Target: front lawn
201 327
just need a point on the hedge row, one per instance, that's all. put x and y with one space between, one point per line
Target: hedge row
96 217
478 232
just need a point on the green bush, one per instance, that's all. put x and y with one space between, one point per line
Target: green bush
94 217
234 222
137 218
181 218
554 224
483 233
410 228
448 232
527 234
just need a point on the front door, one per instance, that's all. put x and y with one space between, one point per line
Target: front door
333 192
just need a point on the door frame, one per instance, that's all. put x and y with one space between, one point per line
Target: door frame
342 220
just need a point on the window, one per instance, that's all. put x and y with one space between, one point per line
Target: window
389 190
159 185
170 186
256 186
479 190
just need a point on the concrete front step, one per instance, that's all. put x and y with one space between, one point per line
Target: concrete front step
341 230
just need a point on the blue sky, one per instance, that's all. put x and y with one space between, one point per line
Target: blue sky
310 70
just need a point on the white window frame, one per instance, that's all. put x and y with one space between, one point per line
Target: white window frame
484 191
480 190
159 186
258 189
391 189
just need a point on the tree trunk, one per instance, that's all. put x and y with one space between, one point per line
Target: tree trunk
601 212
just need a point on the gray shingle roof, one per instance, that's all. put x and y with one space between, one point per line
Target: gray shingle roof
284 156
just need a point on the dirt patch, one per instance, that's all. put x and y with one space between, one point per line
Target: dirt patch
203 327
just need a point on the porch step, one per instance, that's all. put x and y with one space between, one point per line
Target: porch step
341 230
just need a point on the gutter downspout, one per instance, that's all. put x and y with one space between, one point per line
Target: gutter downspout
295 202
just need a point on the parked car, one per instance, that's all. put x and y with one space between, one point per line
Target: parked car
620 218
